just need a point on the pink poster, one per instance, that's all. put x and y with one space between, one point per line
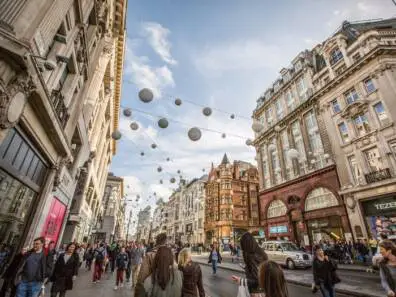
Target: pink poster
54 220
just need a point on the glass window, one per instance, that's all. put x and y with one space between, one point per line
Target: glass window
291 102
315 141
275 161
268 115
301 86
279 109
381 114
374 160
320 198
335 56
285 149
266 175
342 127
336 106
276 209
361 124
351 96
369 85
355 169
298 139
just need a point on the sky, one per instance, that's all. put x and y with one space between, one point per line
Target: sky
221 54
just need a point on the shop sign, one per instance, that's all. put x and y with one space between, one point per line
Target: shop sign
380 206
278 229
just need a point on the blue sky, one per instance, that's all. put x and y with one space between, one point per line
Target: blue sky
222 54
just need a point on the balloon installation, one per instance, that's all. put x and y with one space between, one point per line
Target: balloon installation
194 134
146 95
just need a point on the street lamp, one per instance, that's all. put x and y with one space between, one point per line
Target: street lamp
48 64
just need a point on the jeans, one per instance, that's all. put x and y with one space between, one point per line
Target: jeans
214 266
135 273
327 291
120 276
28 289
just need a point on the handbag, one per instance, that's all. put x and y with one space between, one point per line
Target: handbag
243 290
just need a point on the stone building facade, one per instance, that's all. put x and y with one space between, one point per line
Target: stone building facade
355 84
159 219
144 225
110 226
49 51
231 206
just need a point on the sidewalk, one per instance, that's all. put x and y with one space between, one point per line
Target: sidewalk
304 280
347 267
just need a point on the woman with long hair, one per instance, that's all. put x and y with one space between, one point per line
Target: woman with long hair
65 271
324 273
272 280
388 267
166 279
214 257
253 255
192 275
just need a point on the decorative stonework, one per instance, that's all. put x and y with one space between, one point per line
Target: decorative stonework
355 109
58 168
13 99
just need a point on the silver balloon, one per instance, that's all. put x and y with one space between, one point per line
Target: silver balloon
232 116
127 112
207 111
138 196
163 123
223 135
142 153
178 102
161 182
293 154
194 134
257 126
203 169
249 142
159 169
146 95
178 172
116 135
155 194
172 180
134 126
271 147
167 159
153 146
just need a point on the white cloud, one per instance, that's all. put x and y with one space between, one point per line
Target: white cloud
157 36
143 75
239 55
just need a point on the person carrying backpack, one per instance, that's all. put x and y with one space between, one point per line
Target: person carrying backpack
99 256
121 263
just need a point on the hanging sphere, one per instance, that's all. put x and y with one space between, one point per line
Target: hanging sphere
161 182
167 159
159 169
272 147
223 135
138 196
203 169
257 126
155 194
163 123
127 112
153 146
194 134
172 180
116 135
232 116
293 154
146 95
142 153
207 111
134 126
178 102
249 142
178 172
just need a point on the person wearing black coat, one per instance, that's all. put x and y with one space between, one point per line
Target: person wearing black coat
324 274
9 275
65 271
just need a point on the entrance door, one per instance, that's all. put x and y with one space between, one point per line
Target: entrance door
54 221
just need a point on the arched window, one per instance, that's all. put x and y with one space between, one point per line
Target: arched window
320 198
276 209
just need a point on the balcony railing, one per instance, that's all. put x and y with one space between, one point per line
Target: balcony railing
377 176
60 107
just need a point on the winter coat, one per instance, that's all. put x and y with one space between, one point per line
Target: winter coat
218 254
62 277
192 279
172 289
325 272
252 263
122 261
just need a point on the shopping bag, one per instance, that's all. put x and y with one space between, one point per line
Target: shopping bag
243 290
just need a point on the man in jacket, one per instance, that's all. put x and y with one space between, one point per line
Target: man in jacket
146 267
137 253
100 256
33 270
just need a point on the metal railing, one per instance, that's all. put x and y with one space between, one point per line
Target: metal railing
60 108
378 175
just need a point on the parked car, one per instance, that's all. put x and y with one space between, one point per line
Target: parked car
287 254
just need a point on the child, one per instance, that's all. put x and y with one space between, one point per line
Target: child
121 264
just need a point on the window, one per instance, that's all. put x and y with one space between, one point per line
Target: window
356 57
266 175
301 86
342 127
290 101
369 86
268 116
279 109
381 114
320 198
355 169
336 106
374 160
298 139
351 96
285 149
275 161
361 124
315 141
276 209
335 56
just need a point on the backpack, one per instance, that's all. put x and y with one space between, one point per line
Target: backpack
99 256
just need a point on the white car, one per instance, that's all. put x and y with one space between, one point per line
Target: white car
287 254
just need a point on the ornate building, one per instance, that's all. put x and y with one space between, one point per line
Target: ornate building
144 225
48 58
299 187
231 206
110 225
355 86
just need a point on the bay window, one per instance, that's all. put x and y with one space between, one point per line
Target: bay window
381 114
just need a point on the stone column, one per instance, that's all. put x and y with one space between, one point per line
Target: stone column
9 11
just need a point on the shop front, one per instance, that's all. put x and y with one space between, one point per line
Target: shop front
380 215
54 221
